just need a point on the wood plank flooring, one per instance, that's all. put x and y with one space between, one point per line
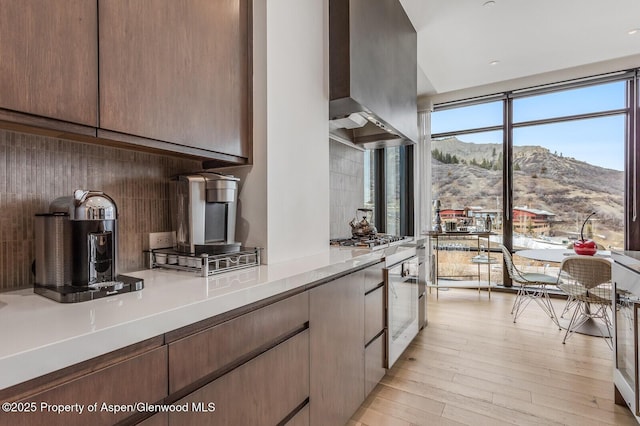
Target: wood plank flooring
473 366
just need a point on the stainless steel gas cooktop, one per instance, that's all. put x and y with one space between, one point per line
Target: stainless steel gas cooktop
372 242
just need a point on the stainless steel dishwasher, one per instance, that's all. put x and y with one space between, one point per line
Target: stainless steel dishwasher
401 277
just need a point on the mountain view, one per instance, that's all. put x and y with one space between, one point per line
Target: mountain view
470 174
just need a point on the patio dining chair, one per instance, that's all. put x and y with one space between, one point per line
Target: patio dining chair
587 281
532 286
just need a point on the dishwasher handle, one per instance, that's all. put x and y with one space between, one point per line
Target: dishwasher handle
405 270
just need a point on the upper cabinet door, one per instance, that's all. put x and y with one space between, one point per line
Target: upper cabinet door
177 71
49 59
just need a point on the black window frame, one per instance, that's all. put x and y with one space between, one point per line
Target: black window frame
631 144
407 190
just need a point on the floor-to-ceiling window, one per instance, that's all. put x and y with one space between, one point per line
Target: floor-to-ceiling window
568 162
467 157
543 159
467 182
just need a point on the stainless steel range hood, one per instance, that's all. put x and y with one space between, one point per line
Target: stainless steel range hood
372 73
365 130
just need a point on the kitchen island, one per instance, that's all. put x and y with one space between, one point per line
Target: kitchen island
42 337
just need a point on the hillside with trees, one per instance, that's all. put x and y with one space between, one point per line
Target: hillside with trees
469 174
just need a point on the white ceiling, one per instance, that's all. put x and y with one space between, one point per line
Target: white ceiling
458 39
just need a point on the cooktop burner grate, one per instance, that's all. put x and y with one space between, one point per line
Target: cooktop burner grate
369 241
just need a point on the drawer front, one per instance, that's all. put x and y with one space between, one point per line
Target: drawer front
142 378
264 391
160 419
301 418
374 369
373 314
203 353
373 276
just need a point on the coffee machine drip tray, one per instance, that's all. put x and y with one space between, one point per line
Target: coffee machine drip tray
73 294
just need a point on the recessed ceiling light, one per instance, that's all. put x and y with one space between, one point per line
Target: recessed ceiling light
633 31
489 3
492 63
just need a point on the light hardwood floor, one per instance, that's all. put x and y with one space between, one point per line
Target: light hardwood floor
473 366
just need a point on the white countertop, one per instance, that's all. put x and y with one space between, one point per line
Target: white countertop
630 259
39 336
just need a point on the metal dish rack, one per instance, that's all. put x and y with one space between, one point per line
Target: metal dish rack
205 264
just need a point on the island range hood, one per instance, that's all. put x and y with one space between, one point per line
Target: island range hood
372 73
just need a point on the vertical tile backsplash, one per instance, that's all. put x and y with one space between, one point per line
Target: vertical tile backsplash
346 185
34 170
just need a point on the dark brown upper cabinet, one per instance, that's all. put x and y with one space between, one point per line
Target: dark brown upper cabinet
49 62
175 74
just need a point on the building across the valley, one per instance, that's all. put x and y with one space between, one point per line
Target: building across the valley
453 214
532 221
525 220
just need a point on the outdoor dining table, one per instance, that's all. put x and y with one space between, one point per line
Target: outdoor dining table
590 326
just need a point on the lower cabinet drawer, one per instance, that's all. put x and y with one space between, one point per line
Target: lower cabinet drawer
160 419
373 276
263 391
141 379
373 314
301 418
374 369
196 356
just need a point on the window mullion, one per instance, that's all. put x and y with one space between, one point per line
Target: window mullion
575 117
507 182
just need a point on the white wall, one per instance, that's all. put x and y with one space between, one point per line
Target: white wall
284 197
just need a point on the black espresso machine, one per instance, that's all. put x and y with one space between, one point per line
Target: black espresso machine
77 249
